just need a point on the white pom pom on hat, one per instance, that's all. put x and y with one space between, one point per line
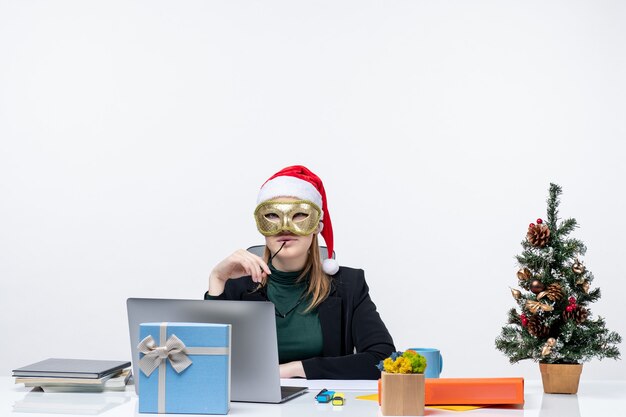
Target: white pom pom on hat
300 182
330 266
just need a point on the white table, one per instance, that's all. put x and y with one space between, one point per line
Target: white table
594 399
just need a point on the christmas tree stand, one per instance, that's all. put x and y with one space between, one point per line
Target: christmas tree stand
560 378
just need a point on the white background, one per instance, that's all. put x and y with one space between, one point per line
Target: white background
134 136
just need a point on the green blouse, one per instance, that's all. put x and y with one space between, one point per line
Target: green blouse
299 332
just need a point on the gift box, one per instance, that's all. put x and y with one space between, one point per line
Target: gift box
184 368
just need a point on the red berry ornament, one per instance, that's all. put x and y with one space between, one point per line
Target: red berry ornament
531 225
539 221
524 320
572 300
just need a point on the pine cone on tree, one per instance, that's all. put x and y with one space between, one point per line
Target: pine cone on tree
579 314
537 327
538 235
554 292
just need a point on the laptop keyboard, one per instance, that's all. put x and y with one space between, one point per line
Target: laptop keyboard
286 392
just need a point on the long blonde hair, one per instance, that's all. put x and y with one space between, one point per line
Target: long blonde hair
319 281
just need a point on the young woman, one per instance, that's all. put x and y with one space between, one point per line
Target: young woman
327 324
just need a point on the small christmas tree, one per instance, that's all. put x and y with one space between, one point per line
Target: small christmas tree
553 323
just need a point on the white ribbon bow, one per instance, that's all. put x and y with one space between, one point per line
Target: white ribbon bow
174 350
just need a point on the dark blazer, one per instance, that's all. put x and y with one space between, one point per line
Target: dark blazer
355 338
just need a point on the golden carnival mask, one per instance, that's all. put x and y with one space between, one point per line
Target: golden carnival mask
299 217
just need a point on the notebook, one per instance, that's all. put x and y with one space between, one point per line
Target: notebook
255 375
71 368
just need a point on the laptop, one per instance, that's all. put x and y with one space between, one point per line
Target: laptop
255 375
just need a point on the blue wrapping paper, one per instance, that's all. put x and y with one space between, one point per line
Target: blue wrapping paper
204 386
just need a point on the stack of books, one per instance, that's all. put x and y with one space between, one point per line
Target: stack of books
75 375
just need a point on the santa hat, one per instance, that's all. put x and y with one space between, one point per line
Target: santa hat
299 182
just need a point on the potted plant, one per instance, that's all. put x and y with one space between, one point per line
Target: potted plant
552 323
402 384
